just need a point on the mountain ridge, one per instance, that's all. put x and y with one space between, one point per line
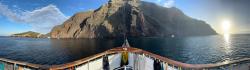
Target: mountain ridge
133 18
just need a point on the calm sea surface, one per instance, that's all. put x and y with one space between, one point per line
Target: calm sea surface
195 50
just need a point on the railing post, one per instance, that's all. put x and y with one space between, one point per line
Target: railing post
173 66
231 66
88 65
166 66
179 68
14 66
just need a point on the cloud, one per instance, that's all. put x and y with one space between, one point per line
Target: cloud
41 20
169 3
159 1
165 3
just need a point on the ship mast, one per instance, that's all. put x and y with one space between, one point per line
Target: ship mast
125 43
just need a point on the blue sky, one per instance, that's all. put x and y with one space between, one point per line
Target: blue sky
41 15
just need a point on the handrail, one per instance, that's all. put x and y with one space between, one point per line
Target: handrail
20 63
164 59
119 50
85 60
193 66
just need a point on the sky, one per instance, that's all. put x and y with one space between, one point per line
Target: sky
42 15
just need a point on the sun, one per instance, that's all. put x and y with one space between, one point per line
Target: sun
226 24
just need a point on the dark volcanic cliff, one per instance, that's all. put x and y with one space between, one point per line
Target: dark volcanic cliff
133 18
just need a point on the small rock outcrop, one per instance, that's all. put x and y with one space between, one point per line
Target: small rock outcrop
29 34
132 18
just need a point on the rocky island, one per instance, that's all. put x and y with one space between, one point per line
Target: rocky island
133 18
29 34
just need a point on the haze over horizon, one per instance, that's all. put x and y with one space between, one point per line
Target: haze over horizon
41 15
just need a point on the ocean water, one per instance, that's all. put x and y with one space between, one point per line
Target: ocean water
194 50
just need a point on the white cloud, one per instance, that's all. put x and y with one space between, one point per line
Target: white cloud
165 3
41 20
169 3
159 1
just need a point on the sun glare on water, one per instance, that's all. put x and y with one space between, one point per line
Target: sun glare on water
226 24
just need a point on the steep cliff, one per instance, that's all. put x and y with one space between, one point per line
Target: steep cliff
172 21
131 18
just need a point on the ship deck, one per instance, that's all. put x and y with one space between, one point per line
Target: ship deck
176 65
